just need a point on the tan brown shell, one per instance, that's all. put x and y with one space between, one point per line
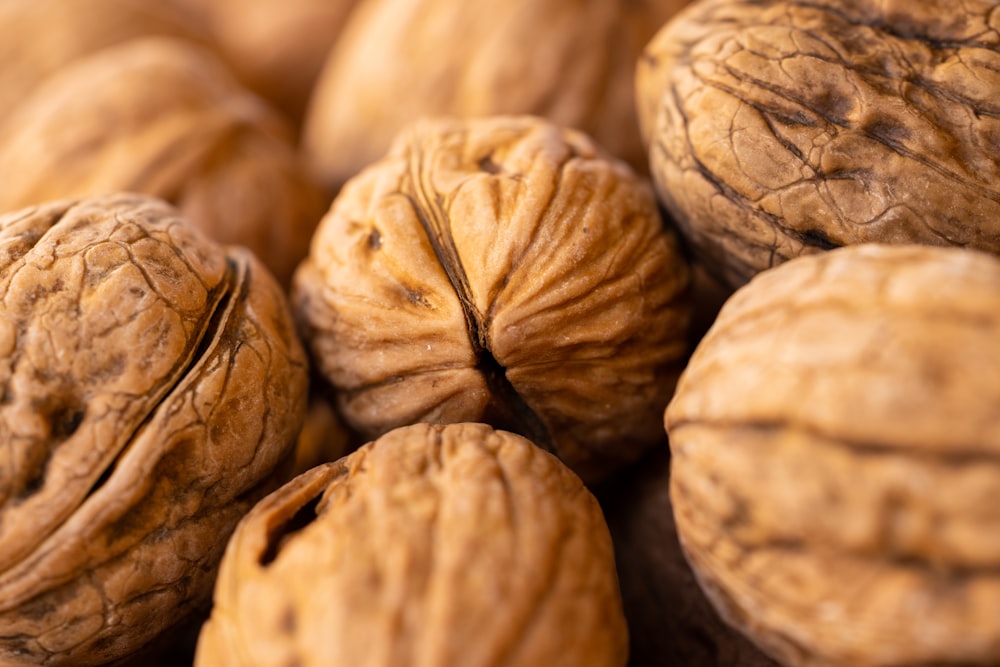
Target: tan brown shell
433 545
150 385
782 128
275 48
38 37
571 61
164 117
835 441
670 620
501 270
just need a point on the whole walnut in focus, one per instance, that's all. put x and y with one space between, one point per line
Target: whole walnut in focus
165 118
834 443
152 387
433 545
570 61
37 37
502 270
275 48
780 128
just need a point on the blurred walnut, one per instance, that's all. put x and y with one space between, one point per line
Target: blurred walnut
780 128
323 437
276 48
670 620
500 270
151 384
37 37
835 439
434 545
570 61
163 117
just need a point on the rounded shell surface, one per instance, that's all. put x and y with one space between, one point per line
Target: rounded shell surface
571 61
164 117
151 385
433 545
501 270
835 443
783 128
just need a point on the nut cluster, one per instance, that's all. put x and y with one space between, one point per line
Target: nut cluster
332 330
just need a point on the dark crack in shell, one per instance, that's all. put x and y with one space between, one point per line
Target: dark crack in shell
777 129
433 545
836 453
152 383
501 270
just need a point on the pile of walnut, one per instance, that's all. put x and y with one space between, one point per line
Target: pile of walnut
429 332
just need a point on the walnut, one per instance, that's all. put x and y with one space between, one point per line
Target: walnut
276 48
165 118
37 37
323 437
670 620
834 443
500 270
433 545
397 60
783 128
150 385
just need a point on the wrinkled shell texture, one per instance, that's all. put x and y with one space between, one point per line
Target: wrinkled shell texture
165 118
151 384
499 270
434 545
37 37
835 445
572 61
777 129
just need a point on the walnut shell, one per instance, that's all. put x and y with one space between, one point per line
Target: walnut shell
834 443
670 620
782 128
397 60
151 385
499 270
275 48
164 117
37 37
433 545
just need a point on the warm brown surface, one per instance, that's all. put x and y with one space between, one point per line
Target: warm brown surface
323 437
836 440
165 118
276 47
671 623
151 384
37 37
433 546
572 61
783 128
500 270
